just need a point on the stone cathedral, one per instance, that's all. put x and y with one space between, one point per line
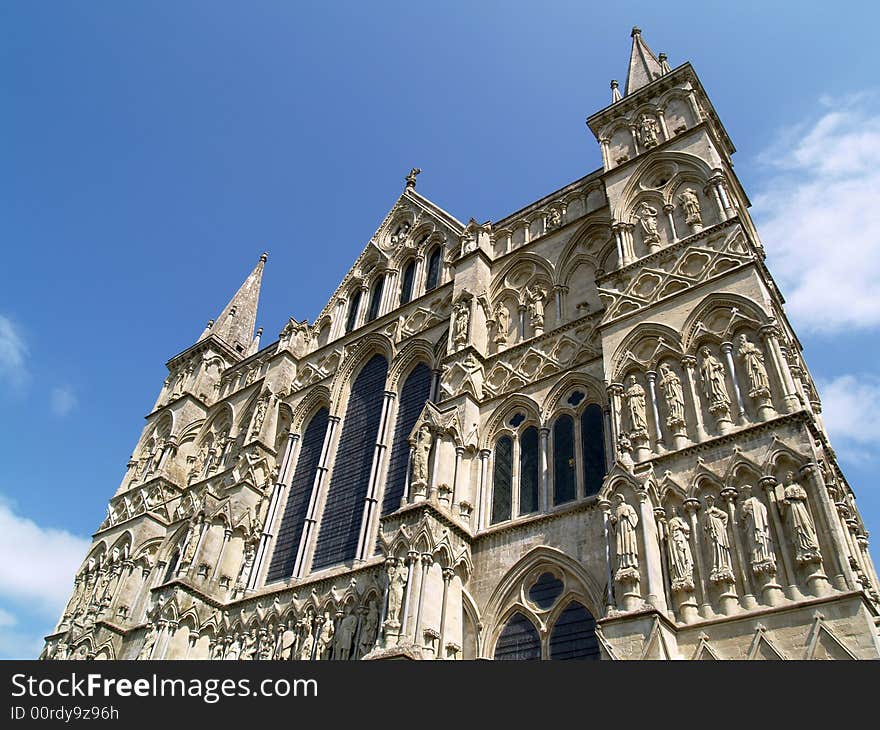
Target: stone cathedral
583 431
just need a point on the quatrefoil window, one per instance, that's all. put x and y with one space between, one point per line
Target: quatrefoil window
575 398
517 419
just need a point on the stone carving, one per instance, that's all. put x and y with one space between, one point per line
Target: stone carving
192 543
249 646
345 632
308 641
712 374
649 131
690 202
757 526
502 323
260 414
535 297
635 403
461 324
715 525
681 561
369 629
670 384
421 456
233 648
401 233
554 219
325 638
146 651
759 384
648 219
803 530
396 575
625 520
411 178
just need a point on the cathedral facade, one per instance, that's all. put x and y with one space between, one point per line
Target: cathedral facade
584 431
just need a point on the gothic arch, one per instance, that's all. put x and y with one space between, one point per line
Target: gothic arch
668 343
417 350
543 269
223 411
496 422
370 344
681 160
747 310
595 392
316 398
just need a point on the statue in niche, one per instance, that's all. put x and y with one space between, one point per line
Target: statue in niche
752 356
60 651
250 551
217 650
345 637
635 403
647 216
286 643
461 324
715 526
554 219
801 522
502 323
233 649
325 638
421 455
670 384
192 542
267 647
308 641
249 646
712 374
681 561
757 525
198 466
260 414
401 233
690 202
396 576
625 520
146 651
369 629
649 131
535 297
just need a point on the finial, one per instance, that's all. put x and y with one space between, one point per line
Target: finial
635 31
264 256
259 331
664 63
615 92
411 178
210 323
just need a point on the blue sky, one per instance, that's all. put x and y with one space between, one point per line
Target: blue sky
142 142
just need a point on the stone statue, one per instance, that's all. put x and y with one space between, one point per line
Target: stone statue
249 646
715 526
681 561
535 297
217 650
473 370
325 637
146 651
308 642
421 455
198 466
401 233
649 131
554 219
233 649
396 576
670 384
648 218
287 643
759 384
345 637
411 178
712 374
803 530
192 542
625 520
690 202
369 629
635 402
757 525
461 324
260 414
502 323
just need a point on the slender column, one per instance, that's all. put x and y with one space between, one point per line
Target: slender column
748 600
721 187
843 577
227 533
722 214
375 471
727 349
691 507
427 561
191 641
307 538
543 497
791 591
610 605
618 239
527 232
448 574
389 291
522 322
605 143
670 210
412 558
770 335
419 277
338 319
608 433
459 453
483 501
635 138
661 117
435 385
688 364
652 389
656 594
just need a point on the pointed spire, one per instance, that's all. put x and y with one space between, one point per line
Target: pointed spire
255 345
615 91
643 64
236 322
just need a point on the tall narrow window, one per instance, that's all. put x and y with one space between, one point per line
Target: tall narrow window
172 564
519 640
353 307
528 471
341 521
502 479
564 482
593 443
290 530
406 289
574 634
375 298
433 277
413 397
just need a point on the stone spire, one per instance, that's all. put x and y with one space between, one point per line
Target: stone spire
235 325
643 64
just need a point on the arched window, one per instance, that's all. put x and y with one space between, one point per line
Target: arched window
406 289
172 564
502 479
299 495
564 476
593 446
353 307
375 298
574 634
519 640
433 277
528 471
340 524
413 397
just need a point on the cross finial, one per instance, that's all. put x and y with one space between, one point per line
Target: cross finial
411 178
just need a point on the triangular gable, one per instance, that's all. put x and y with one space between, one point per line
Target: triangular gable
704 651
824 644
763 646
655 646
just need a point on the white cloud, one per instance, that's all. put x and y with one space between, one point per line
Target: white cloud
819 216
13 354
62 400
38 563
7 619
849 405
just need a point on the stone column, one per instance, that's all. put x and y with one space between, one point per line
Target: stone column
621 441
653 563
604 143
770 335
688 364
610 605
670 210
427 561
792 592
651 375
692 507
227 533
484 517
727 350
412 558
748 599
369 512
716 196
448 574
544 497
